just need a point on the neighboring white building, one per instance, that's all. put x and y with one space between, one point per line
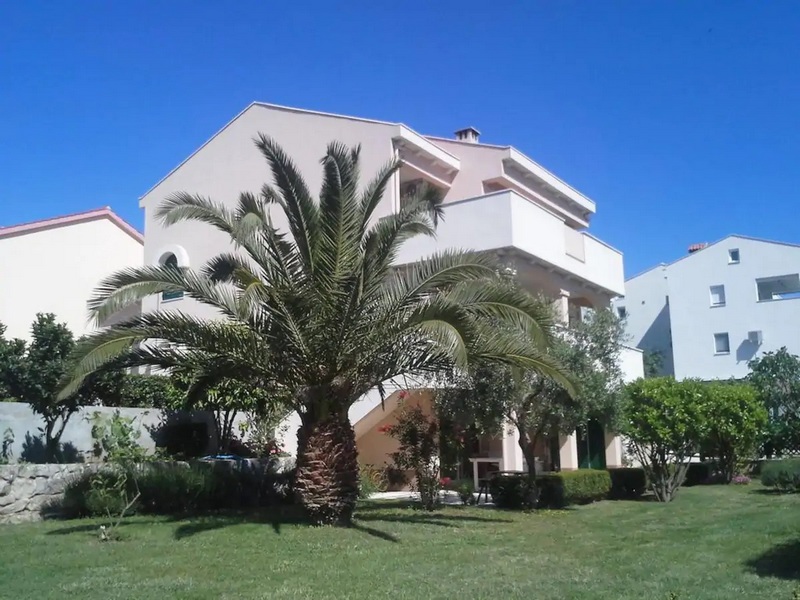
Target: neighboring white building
54 265
496 200
712 311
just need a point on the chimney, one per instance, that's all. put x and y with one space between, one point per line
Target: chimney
695 247
468 134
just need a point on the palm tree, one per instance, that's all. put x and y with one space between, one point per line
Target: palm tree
319 311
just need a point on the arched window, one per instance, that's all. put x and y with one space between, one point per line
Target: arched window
170 260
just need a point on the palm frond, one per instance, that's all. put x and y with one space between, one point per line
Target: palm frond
128 286
182 206
293 197
375 190
495 299
132 342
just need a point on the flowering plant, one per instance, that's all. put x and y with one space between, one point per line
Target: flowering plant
273 449
445 481
418 436
741 480
385 429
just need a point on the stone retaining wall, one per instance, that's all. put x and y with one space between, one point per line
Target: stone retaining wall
26 489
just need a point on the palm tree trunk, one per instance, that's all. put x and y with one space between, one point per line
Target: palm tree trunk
326 483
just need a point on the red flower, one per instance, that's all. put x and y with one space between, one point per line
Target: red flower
384 429
403 394
445 481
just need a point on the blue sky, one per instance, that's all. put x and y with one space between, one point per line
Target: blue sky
680 119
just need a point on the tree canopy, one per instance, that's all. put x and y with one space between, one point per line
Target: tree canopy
491 396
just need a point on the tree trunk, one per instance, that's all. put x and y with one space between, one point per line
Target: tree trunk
326 483
51 441
527 447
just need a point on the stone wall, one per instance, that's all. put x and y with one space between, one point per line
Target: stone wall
26 489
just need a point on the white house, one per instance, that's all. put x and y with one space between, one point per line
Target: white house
54 265
713 310
496 200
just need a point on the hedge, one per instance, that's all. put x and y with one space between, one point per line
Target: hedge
176 488
783 475
700 473
556 490
627 483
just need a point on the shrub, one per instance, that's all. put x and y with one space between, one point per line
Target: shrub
465 488
585 485
512 491
736 420
699 473
627 483
147 391
176 488
184 440
85 495
371 479
741 480
782 474
666 423
553 490
116 438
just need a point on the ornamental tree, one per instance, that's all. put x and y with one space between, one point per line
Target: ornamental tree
418 435
736 420
776 379
666 422
491 396
32 372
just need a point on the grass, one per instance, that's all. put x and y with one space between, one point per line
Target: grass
712 542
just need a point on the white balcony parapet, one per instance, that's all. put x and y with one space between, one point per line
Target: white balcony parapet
507 220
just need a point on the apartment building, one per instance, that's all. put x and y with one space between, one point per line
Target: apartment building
496 200
712 311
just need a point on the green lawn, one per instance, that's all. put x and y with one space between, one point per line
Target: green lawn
712 542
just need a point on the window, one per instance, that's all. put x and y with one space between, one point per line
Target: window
170 260
717 295
733 256
782 287
722 343
622 312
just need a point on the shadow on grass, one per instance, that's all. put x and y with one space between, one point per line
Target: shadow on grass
189 525
366 517
275 517
782 561
767 492
93 528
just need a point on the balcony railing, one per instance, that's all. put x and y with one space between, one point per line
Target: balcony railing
504 220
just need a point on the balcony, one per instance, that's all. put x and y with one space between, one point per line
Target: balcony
507 221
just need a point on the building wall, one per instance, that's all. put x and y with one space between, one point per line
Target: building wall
231 164
694 321
478 163
683 327
647 309
56 270
24 425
